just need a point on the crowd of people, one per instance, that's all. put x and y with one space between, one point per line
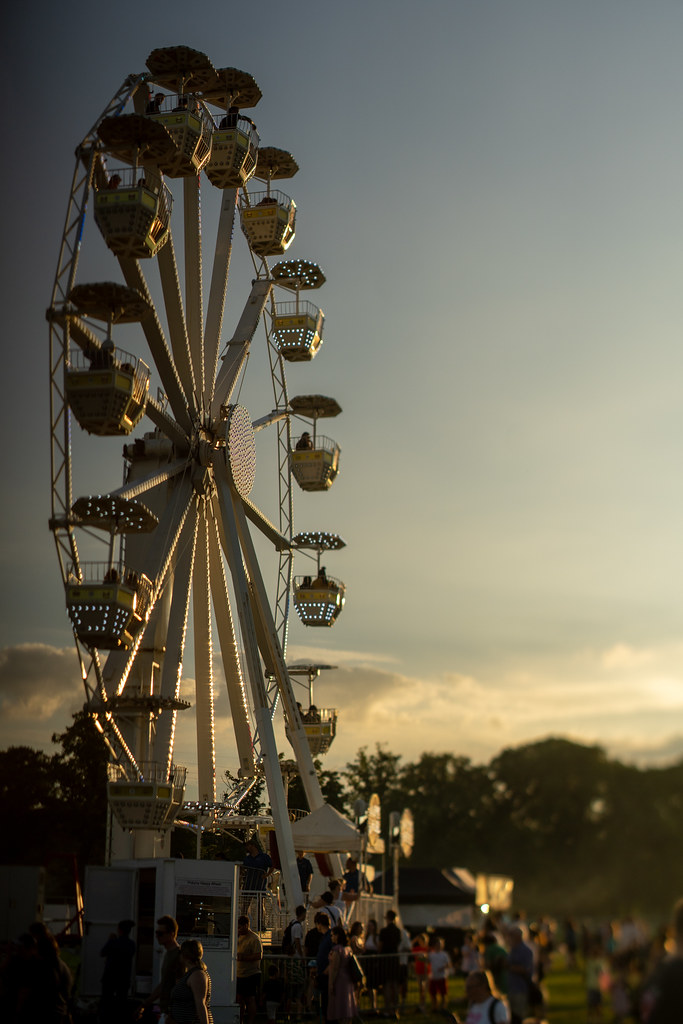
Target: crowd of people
340 970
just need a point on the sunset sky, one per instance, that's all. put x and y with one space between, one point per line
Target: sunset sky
494 192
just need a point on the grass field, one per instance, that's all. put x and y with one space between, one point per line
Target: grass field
566 1000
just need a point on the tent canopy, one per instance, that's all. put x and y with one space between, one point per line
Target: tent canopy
325 831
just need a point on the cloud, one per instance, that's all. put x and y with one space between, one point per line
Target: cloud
623 697
40 689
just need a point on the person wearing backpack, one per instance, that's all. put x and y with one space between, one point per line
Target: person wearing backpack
484 1008
293 937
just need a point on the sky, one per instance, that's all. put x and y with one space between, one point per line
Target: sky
493 192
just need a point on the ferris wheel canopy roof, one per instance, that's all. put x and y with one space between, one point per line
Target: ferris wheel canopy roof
232 88
180 67
318 540
131 136
118 515
299 275
308 670
107 300
315 406
275 163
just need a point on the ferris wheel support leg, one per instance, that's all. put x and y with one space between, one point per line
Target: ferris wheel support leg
273 657
193 280
219 284
237 694
201 600
278 801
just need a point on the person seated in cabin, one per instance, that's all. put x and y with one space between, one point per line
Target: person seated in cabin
111 576
312 716
321 581
268 201
306 583
304 443
181 105
102 358
154 105
230 119
114 182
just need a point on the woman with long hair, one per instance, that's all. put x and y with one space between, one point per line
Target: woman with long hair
191 995
342 1006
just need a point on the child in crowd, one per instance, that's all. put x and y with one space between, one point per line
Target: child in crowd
440 968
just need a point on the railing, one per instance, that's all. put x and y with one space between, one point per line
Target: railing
321 441
307 583
150 771
243 124
248 200
293 308
114 359
128 177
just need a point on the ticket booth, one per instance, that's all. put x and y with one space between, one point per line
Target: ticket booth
201 895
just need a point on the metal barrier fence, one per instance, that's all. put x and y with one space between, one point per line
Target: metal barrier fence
296 978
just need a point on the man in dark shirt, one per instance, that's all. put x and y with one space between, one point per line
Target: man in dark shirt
389 941
171 969
305 869
119 951
322 923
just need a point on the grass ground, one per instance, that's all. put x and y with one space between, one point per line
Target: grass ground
566 1000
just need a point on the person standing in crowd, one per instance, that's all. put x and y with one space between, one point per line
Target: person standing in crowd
249 956
520 975
118 950
484 1006
372 966
666 987
171 967
389 942
439 968
420 948
43 986
322 923
495 960
191 994
305 869
342 1006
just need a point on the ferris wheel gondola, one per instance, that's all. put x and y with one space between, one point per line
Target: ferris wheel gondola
175 537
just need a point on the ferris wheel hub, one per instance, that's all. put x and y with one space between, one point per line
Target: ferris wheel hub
240 454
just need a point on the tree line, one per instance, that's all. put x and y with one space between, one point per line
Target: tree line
578 831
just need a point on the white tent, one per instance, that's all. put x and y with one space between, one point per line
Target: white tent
325 831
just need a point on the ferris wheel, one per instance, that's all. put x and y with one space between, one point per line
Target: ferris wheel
180 538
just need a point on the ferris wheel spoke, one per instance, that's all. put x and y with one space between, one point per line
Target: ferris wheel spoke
219 285
203 662
161 476
238 346
272 417
81 334
237 694
154 334
175 647
193 280
262 613
161 419
157 566
268 529
177 327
